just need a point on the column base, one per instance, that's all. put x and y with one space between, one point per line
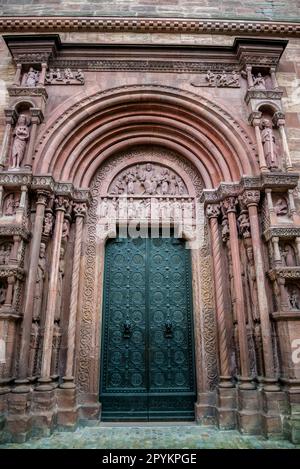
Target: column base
18 421
67 413
68 383
248 415
226 408
272 408
205 408
21 386
246 383
45 385
43 412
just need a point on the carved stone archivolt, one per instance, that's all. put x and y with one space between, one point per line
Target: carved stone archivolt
127 172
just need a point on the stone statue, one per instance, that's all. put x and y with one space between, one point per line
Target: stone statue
259 82
31 78
180 186
39 284
130 180
5 250
251 276
65 229
210 77
294 299
61 272
2 293
288 256
164 181
225 230
11 203
281 207
79 76
48 224
21 136
244 225
269 144
68 74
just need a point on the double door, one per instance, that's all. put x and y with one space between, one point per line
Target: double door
147 363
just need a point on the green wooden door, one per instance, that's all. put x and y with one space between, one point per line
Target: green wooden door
147 365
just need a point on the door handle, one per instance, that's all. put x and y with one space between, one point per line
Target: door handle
168 329
127 329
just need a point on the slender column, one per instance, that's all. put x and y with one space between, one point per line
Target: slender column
79 212
273 78
297 240
17 79
255 118
43 74
277 255
249 75
10 119
212 212
61 204
279 121
9 292
30 286
15 249
1 198
251 199
229 205
36 117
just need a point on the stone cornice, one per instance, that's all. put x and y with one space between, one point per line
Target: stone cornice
13 24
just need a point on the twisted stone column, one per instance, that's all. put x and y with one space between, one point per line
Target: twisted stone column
212 212
36 118
79 212
42 198
229 206
255 118
251 199
61 204
10 118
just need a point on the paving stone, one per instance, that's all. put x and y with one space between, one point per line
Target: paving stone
150 437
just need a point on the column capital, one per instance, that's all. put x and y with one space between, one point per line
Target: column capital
79 209
278 119
255 118
37 115
61 203
251 197
229 204
10 116
213 211
42 197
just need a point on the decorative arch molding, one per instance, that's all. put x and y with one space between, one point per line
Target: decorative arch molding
86 130
97 231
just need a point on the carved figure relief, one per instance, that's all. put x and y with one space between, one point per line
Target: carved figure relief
34 347
64 77
61 273
48 224
281 207
244 225
221 79
269 145
5 250
3 288
259 82
20 137
251 276
39 284
65 229
294 297
144 208
148 179
288 255
11 203
30 78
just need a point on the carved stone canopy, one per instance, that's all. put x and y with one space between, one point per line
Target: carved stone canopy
148 179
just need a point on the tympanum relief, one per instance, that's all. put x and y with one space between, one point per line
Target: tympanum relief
148 179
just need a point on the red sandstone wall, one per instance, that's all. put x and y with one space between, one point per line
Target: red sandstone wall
264 9
288 76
